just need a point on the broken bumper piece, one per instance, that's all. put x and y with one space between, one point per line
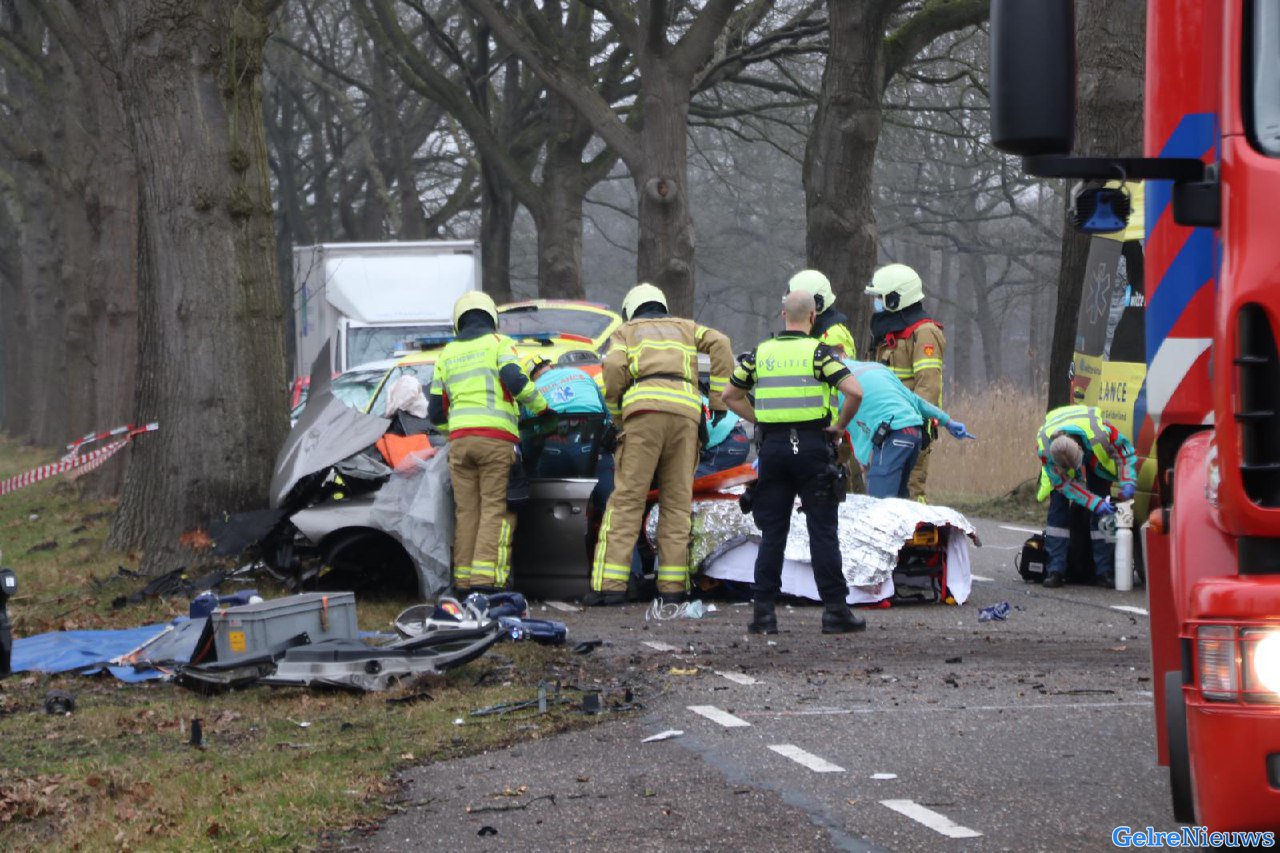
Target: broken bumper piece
353 665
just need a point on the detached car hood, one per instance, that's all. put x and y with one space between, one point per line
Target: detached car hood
327 432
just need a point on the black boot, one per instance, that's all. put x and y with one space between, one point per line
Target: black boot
604 599
764 620
839 619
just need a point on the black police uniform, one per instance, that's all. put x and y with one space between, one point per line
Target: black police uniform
796 458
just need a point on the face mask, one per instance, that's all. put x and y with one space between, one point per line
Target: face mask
878 304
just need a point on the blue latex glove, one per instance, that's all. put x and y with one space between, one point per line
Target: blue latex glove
1127 491
1106 508
957 430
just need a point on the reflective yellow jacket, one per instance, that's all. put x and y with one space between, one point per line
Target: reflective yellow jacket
652 366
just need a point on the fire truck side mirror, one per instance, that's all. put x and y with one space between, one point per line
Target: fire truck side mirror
1033 76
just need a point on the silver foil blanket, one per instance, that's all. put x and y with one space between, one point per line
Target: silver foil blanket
872 532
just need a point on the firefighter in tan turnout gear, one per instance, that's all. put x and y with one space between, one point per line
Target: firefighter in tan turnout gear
907 340
477 389
651 387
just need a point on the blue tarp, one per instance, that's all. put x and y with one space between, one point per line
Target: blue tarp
89 652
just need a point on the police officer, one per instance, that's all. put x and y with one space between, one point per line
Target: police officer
910 343
794 377
1081 455
651 386
476 390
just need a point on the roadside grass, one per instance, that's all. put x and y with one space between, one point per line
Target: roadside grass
118 772
994 476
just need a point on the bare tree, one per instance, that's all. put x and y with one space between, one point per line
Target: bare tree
211 361
871 41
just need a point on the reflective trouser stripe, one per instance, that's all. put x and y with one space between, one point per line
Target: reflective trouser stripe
599 568
504 554
1061 532
483 573
670 577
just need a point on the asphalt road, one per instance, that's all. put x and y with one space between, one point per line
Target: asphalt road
930 731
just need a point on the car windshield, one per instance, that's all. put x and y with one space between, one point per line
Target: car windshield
353 388
376 343
1264 113
422 370
544 322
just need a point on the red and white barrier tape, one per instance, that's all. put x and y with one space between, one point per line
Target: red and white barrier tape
89 460
130 430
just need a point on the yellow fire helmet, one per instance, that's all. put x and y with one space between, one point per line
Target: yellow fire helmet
817 284
474 300
898 285
639 295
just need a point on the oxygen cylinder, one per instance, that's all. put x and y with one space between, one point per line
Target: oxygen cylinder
1124 546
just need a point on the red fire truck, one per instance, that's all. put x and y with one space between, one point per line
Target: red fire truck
1212 391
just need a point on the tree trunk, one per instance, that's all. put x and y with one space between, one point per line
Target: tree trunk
211 364
840 156
497 222
665 250
559 216
1111 67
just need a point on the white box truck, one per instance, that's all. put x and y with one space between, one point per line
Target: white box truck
371 297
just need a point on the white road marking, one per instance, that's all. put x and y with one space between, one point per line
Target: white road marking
560 605
950 709
939 823
807 759
715 715
659 647
1146 693
983 579
1126 608
1017 529
880 777
738 677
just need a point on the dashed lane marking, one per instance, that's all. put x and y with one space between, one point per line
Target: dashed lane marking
560 605
806 759
738 677
1128 608
983 579
715 715
659 647
936 821
1017 529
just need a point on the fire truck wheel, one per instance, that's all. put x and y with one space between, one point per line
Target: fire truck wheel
1175 718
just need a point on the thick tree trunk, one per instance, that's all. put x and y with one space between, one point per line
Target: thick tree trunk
211 364
665 250
497 222
559 216
841 153
1111 64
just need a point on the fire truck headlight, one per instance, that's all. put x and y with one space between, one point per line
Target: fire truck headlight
1261 664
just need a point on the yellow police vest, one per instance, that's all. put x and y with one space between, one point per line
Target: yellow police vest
786 389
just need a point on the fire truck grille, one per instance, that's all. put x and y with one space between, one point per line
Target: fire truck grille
1258 406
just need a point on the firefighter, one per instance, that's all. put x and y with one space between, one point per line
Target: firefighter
1081 456
906 339
651 386
795 378
476 390
832 326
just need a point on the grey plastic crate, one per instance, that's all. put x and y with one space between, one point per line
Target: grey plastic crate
254 629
